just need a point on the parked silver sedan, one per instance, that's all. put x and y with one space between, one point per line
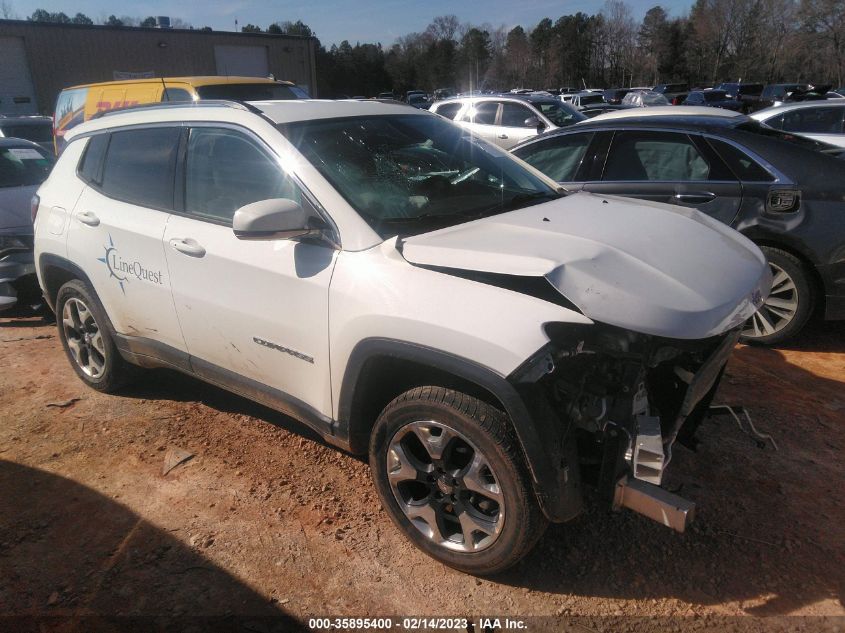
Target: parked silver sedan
819 120
507 120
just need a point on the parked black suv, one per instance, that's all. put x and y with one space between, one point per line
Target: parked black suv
780 190
746 93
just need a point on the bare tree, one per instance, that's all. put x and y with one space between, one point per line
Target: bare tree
6 10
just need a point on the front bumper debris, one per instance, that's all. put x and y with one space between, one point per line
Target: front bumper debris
17 277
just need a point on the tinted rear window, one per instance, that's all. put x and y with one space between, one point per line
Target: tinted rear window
23 166
140 166
40 133
251 92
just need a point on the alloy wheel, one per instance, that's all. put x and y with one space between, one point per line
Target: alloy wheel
84 339
445 486
778 310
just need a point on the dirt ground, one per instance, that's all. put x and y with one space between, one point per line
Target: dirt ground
265 520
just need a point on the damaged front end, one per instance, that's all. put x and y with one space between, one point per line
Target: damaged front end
615 403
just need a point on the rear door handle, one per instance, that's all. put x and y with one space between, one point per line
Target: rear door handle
698 197
88 217
189 246
503 135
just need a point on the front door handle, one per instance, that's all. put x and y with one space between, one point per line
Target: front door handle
188 245
698 197
503 135
88 217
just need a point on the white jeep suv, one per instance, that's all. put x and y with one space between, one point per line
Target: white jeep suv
408 291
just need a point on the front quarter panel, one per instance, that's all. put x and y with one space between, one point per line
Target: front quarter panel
377 294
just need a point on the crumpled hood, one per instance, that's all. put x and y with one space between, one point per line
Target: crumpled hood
15 211
652 268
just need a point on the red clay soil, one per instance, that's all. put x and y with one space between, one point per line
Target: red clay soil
266 520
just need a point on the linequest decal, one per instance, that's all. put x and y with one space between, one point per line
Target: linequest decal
122 269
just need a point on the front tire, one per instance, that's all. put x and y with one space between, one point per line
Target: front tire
450 474
789 305
87 340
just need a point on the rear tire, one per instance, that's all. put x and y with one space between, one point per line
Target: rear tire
788 306
87 341
450 473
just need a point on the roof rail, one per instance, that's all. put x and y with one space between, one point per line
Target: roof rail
241 105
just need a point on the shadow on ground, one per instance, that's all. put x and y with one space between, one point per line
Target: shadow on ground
72 559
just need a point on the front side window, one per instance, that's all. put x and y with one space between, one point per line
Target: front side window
515 115
23 166
449 110
140 166
560 114
483 113
813 120
559 157
656 156
226 170
408 174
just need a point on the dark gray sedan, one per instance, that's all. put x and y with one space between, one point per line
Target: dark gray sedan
784 192
23 167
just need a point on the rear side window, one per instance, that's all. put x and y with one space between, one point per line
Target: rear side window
90 167
813 120
655 156
740 163
226 170
558 157
140 166
449 110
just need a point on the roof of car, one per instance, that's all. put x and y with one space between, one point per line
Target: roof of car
282 111
679 122
682 112
199 80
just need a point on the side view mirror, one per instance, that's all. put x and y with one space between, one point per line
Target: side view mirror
276 218
534 122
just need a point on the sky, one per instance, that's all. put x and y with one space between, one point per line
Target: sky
336 20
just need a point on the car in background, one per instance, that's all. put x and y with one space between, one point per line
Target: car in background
24 165
602 108
79 103
820 120
386 95
674 93
615 95
780 190
746 93
508 119
644 99
38 129
712 98
418 100
775 94
583 99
